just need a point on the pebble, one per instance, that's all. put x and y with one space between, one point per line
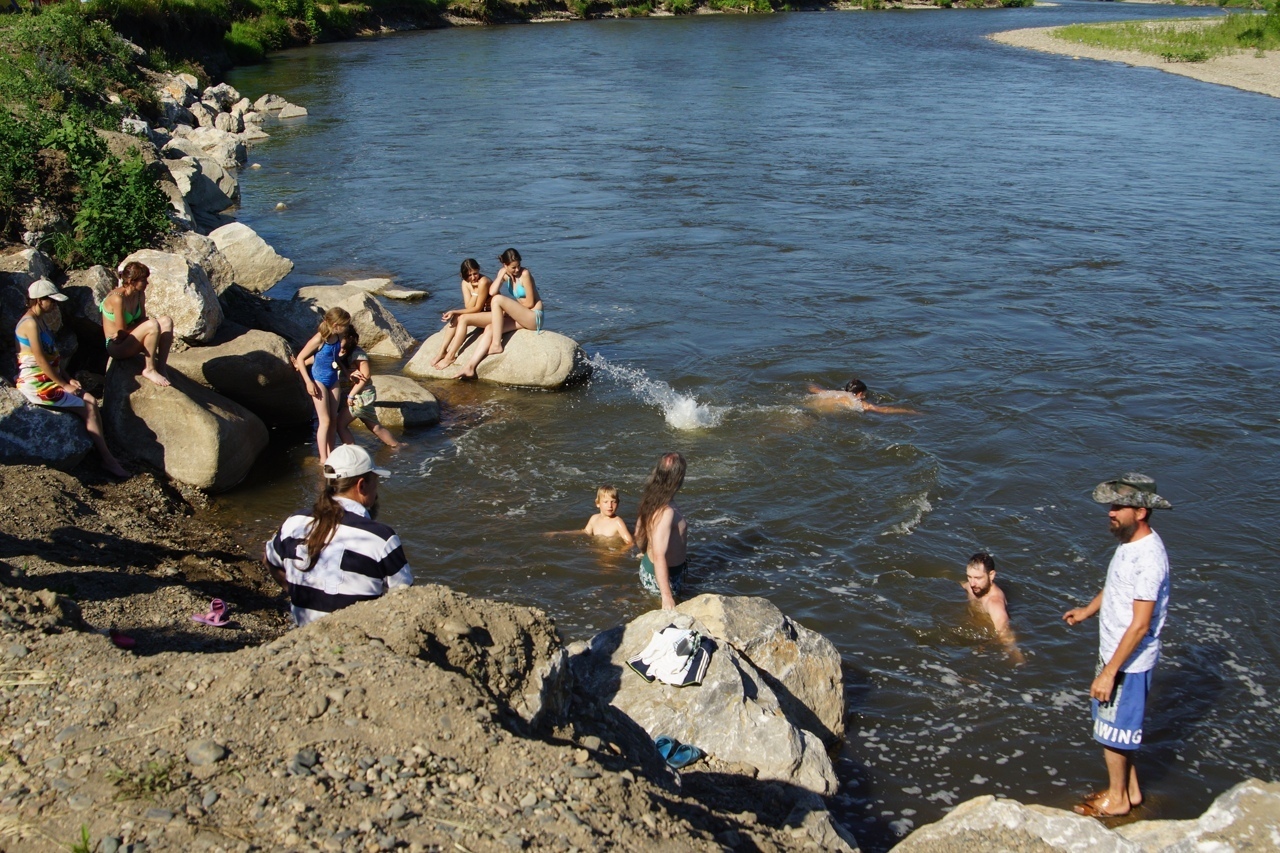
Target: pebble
396 811
69 733
80 802
592 743
16 650
109 844
358 787
159 815
56 763
317 706
307 757
579 772
513 841
205 752
210 798
528 800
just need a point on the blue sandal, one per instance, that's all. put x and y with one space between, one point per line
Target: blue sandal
684 755
666 746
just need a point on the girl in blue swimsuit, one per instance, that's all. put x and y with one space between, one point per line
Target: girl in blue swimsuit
515 305
322 379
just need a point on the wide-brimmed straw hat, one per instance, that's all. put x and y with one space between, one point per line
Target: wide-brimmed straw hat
1130 490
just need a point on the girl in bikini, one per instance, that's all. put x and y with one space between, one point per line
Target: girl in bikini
474 313
40 376
127 328
515 305
322 379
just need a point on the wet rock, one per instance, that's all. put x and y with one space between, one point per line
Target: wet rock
380 332
402 402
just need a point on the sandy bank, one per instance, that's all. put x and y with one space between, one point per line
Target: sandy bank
1242 70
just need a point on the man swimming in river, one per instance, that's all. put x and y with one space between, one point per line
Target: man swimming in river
987 598
854 397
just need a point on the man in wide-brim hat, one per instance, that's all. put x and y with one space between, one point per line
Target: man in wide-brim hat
1132 604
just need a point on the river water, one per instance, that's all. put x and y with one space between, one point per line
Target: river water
1068 266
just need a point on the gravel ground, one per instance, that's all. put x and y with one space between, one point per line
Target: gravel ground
1244 70
414 723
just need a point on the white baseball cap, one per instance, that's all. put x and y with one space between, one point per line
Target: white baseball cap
350 460
42 287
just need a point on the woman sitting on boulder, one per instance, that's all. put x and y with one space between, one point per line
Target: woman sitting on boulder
40 377
128 329
515 306
322 379
475 312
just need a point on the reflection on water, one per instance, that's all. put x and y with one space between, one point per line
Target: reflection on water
723 210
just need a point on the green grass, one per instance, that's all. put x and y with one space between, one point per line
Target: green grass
1194 40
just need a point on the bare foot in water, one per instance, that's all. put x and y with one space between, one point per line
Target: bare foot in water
157 377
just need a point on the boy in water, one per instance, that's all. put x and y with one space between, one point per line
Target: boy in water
987 598
854 396
605 523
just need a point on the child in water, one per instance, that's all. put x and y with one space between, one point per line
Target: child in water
358 405
853 397
662 534
605 523
321 380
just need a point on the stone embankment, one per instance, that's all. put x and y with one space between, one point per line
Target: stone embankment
233 377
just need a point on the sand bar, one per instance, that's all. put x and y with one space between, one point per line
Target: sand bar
1242 70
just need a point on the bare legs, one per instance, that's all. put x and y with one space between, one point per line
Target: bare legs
483 348
345 419
1122 792
326 415
464 323
92 418
152 338
506 307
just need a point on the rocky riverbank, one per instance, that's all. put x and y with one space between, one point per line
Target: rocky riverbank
1252 71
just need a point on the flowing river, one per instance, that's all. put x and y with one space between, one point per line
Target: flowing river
1069 267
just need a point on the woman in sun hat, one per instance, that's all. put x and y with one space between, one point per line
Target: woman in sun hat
40 376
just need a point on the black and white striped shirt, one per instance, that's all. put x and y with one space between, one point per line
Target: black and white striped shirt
362 561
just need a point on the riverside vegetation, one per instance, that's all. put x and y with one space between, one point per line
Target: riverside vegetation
1184 41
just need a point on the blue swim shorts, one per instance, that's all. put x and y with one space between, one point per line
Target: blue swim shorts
1118 723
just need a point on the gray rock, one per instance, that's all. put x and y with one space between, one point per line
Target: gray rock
295 321
735 715
202 252
204 184
204 753
257 266
38 435
1245 818
109 844
985 823
403 402
85 290
380 332
79 802
252 368
203 113
292 111
223 95
270 103
209 799
17 651
158 815
215 142
802 666
404 294
183 292
370 285
529 360
194 435
228 122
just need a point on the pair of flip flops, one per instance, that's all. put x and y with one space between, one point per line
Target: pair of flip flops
216 617
677 755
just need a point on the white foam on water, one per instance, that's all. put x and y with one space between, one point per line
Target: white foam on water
921 507
680 410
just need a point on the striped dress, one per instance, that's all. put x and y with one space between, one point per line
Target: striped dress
36 385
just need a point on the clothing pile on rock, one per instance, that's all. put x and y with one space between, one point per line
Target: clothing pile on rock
676 656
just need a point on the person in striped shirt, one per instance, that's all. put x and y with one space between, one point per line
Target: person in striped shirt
337 555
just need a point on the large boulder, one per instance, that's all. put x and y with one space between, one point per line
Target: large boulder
1245 818
194 435
85 290
403 402
986 823
18 269
257 266
183 291
38 435
802 666
295 321
206 187
380 332
202 252
529 360
217 143
252 368
734 715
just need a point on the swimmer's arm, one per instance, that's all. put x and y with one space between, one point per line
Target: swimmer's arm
814 389
1076 615
473 305
1000 622
361 377
888 410
1104 684
300 362
658 548
623 533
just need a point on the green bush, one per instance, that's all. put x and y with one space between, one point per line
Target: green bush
122 209
17 183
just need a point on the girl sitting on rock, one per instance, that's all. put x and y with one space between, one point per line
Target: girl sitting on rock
322 379
40 377
127 328
474 313
358 404
515 305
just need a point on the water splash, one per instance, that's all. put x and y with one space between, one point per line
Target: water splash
681 411
920 507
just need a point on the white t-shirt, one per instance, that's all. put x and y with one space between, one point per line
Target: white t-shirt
1139 571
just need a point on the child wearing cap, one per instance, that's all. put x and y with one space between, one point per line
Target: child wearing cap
40 376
